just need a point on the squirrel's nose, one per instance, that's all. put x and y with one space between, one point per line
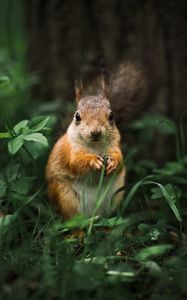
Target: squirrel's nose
96 133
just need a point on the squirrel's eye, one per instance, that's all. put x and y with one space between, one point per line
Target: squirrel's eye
111 117
77 117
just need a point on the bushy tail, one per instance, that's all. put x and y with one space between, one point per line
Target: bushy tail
129 92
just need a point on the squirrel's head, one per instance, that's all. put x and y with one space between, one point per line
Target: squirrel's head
93 121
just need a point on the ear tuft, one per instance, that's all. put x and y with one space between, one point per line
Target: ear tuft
78 90
105 87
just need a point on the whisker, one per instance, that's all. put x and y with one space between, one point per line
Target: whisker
112 131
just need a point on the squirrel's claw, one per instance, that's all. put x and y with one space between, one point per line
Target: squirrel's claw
112 164
97 163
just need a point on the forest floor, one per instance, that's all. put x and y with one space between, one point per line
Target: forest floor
141 255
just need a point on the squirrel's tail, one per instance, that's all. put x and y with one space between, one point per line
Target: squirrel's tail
129 92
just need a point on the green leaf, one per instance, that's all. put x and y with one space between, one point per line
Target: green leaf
12 172
36 149
167 126
150 232
153 268
150 122
15 144
112 222
4 81
7 220
132 192
154 233
144 228
148 252
123 272
77 221
3 186
171 168
5 135
156 193
22 185
36 137
19 126
170 196
38 123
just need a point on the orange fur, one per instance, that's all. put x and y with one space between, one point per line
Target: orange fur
115 161
74 157
66 202
63 163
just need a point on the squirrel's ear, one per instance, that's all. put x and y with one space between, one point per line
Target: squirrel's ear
78 90
105 87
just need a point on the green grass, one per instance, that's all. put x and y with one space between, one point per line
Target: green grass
142 255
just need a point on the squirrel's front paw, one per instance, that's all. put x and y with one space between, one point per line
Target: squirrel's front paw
112 164
97 162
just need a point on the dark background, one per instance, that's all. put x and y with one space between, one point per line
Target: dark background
152 34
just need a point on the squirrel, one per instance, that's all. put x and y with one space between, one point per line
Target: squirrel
90 145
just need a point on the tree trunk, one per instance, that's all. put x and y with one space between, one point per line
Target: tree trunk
151 34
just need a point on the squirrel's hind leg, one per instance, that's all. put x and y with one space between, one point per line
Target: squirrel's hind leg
63 197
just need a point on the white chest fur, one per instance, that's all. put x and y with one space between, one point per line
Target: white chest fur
95 201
